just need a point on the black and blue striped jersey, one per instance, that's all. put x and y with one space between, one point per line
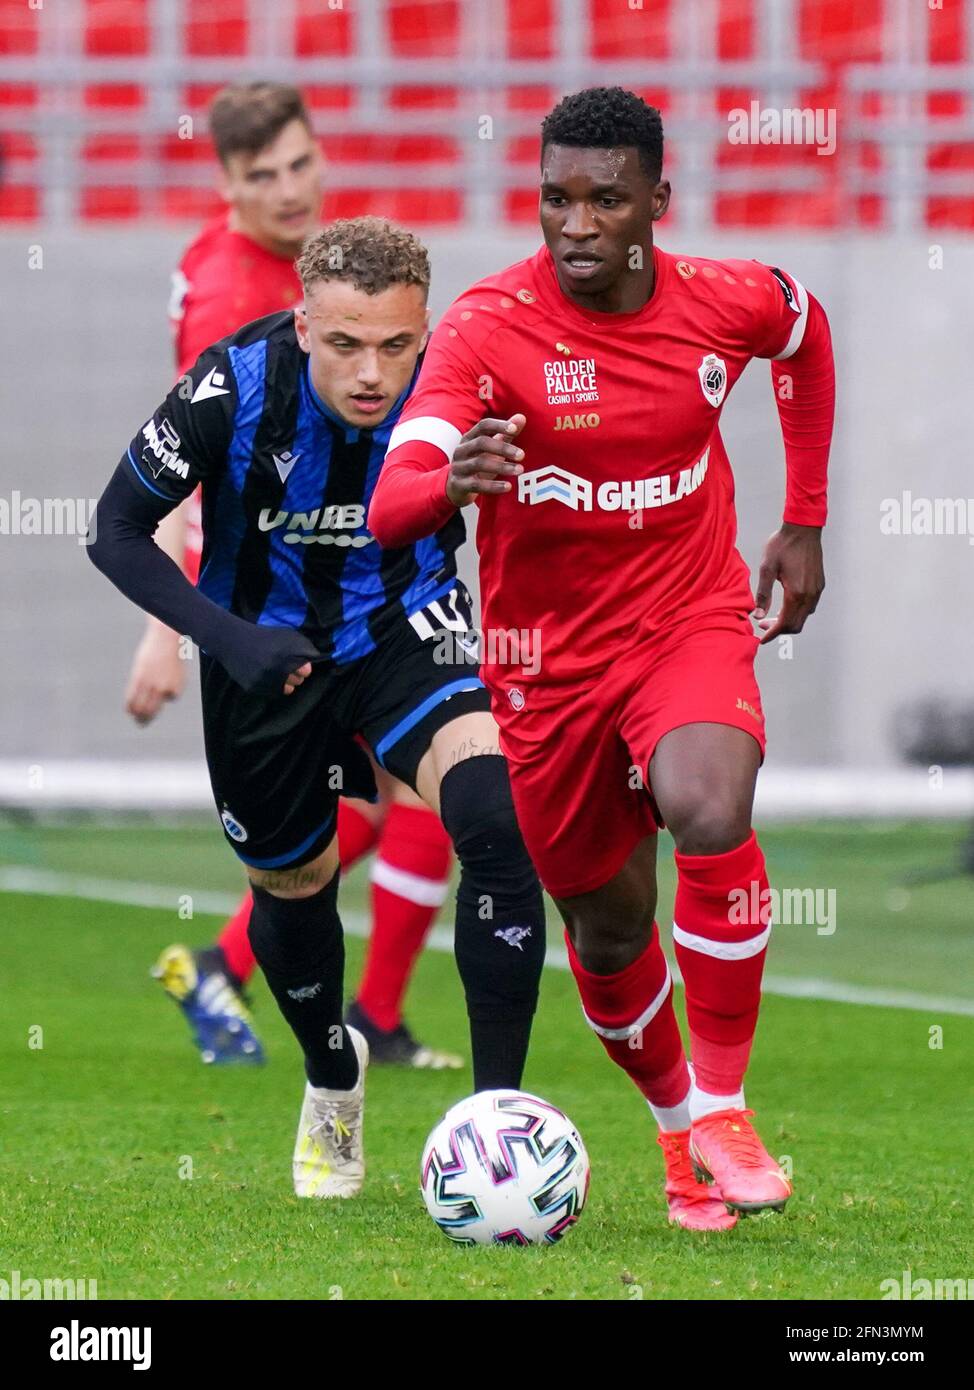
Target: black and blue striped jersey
286 485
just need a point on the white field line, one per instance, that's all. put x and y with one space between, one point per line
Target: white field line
52 883
40 783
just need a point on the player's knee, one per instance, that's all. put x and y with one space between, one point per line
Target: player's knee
500 924
607 938
477 811
713 822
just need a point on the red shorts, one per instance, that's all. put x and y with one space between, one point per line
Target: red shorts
579 753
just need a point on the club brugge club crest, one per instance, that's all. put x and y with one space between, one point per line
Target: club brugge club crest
713 378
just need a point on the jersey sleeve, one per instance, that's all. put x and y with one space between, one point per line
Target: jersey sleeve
410 499
804 391
187 439
779 326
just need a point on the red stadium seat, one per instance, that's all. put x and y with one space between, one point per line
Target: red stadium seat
322 32
835 31
18 29
623 33
217 31
116 28
21 200
531 31
424 28
736 27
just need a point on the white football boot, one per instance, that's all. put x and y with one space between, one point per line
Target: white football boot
328 1159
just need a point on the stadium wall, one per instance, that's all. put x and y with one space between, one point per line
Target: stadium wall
87 356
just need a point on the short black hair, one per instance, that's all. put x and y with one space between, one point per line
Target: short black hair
606 118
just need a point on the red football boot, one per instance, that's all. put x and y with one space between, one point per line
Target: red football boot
725 1149
692 1203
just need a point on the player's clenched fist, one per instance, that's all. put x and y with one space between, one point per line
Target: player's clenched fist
485 457
271 659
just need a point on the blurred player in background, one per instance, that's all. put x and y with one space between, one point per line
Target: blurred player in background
240 268
614 540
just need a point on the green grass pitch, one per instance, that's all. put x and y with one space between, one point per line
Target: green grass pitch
870 1103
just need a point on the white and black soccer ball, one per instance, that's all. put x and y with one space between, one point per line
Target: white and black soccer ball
504 1168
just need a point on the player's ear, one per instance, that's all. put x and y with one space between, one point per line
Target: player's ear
301 327
426 330
661 199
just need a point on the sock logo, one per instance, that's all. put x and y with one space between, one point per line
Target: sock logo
305 992
233 827
513 935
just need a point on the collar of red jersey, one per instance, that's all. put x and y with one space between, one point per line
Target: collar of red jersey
596 318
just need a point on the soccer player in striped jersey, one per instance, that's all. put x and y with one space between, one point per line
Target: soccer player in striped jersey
240 268
606 526
313 641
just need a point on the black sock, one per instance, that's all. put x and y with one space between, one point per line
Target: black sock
500 924
299 946
500 1049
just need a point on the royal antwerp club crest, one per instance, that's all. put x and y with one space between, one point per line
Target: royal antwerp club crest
713 378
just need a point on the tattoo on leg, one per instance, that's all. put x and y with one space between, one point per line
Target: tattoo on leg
470 748
291 880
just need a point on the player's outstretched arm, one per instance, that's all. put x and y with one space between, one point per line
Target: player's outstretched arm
123 549
157 673
804 382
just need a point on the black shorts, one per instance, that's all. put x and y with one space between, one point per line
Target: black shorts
279 763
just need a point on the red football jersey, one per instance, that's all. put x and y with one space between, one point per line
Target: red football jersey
623 518
223 281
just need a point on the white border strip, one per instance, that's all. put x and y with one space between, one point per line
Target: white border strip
722 950
630 1030
798 330
426 429
16 878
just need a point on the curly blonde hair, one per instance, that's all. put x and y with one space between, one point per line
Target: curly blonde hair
369 251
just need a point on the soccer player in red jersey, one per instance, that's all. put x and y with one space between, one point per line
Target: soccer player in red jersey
617 642
240 268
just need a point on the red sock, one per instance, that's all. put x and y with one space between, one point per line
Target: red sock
409 882
356 834
235 944
720 928
632 1012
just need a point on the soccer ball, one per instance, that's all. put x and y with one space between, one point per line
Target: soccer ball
504 1168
